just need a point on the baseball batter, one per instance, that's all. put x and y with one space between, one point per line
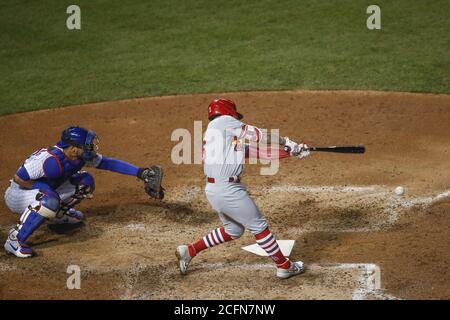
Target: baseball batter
224 154
50 183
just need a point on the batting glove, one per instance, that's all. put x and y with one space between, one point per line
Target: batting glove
291 146
303 150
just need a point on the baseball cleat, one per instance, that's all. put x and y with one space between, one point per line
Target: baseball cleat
16 247
72 216
184 258
296 268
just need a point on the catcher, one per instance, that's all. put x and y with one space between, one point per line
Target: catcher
49 184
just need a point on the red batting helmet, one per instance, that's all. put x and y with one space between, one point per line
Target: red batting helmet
222 107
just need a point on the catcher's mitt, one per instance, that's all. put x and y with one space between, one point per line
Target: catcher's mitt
152 178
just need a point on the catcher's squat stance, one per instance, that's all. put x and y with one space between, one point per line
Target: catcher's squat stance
49 184
227 195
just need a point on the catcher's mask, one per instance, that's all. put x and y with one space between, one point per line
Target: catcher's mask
222 107
81 138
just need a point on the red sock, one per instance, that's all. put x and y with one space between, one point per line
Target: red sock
266 240
215 237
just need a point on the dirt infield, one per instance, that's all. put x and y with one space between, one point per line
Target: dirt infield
359 239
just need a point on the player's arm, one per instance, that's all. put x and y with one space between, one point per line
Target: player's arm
31 184
114 165
273 139
29 175
300 150
249 133
25 184
255 134
152 176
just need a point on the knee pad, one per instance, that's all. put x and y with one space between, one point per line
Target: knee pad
84 182
49 204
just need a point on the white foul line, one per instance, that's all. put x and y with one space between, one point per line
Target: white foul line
395 206
369 278
316 189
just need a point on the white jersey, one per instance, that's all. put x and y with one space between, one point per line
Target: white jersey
34 164
224 147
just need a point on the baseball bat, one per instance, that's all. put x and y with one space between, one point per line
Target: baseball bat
340 149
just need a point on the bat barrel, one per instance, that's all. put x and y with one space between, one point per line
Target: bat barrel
340 149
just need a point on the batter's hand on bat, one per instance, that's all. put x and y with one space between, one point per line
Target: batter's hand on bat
298 150
290 146
303 151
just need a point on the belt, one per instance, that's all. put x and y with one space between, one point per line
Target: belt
230 179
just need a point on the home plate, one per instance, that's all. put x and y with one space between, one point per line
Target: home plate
285 247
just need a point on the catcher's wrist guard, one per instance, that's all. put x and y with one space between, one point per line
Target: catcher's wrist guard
152 178
140 172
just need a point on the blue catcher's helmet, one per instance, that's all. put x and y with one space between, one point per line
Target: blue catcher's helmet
81 138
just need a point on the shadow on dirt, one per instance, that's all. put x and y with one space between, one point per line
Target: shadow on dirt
179 212
182 212
100 211
60 234
66 229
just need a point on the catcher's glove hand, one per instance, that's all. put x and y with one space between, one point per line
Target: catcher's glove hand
83 191
152 178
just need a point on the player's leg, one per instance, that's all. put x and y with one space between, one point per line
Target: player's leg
43 207
72 192
229 231
244 210
17 199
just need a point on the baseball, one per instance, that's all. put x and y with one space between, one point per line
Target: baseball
399 191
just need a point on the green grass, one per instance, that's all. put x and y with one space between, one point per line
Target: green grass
144 48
